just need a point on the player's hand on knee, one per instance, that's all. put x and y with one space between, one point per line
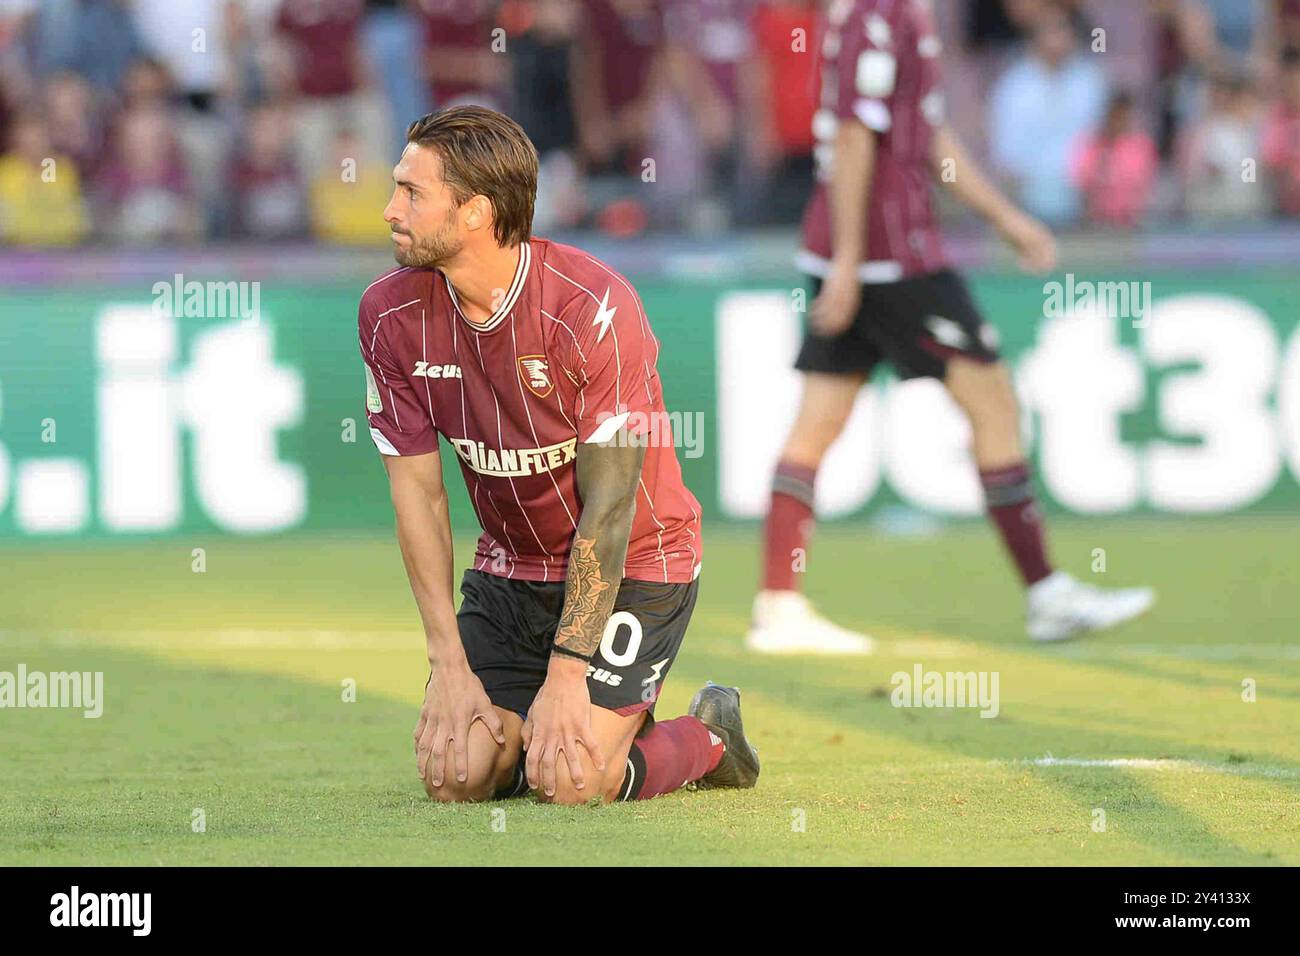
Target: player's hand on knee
453 700
559 722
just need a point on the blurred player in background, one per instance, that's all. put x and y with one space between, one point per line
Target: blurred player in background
884 292
536 363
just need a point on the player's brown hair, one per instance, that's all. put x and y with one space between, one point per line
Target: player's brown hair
485 153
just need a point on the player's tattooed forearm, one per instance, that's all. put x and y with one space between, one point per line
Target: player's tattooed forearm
589 599
607 479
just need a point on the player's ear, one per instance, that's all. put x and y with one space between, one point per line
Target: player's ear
478 212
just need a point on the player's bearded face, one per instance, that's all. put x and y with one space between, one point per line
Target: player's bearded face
423 214
430 249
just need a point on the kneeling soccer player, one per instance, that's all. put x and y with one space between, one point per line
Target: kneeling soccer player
536 363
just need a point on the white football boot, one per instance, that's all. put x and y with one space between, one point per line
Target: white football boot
1059 607
785 623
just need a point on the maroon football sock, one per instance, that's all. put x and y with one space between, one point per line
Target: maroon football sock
789 524
668 757
1009 497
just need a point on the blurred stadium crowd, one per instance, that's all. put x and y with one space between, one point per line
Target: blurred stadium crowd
160 121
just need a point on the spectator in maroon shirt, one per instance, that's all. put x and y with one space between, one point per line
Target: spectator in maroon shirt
76 127
708 46
617 54
1280 147
145 194
459 60
266 192
719 33
322 38
331 76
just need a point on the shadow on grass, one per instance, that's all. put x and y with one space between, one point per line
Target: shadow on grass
817 688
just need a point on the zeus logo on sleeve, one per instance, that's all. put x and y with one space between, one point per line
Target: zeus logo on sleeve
514 462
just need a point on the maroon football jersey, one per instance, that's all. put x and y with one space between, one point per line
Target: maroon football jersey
879 65
324 33
569 357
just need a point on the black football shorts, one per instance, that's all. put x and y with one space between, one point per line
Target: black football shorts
508 628
915 324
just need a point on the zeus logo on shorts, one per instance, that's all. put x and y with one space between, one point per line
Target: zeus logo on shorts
604 676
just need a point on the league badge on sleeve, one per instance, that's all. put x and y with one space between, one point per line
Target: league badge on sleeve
373 402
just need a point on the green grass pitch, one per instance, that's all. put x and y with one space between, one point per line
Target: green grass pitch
224 695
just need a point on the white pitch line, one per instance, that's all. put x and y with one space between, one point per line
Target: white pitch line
1194 652
1141 764
1097 650
925 646
1137 763
1159 764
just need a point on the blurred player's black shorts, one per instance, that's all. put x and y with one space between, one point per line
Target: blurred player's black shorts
915 324
508 628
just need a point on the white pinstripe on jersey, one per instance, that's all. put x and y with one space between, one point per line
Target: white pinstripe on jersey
514 344
478 481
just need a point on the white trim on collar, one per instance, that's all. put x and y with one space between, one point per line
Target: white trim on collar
512 294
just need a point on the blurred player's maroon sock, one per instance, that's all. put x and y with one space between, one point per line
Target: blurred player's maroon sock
789 524
1009 496
669 757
